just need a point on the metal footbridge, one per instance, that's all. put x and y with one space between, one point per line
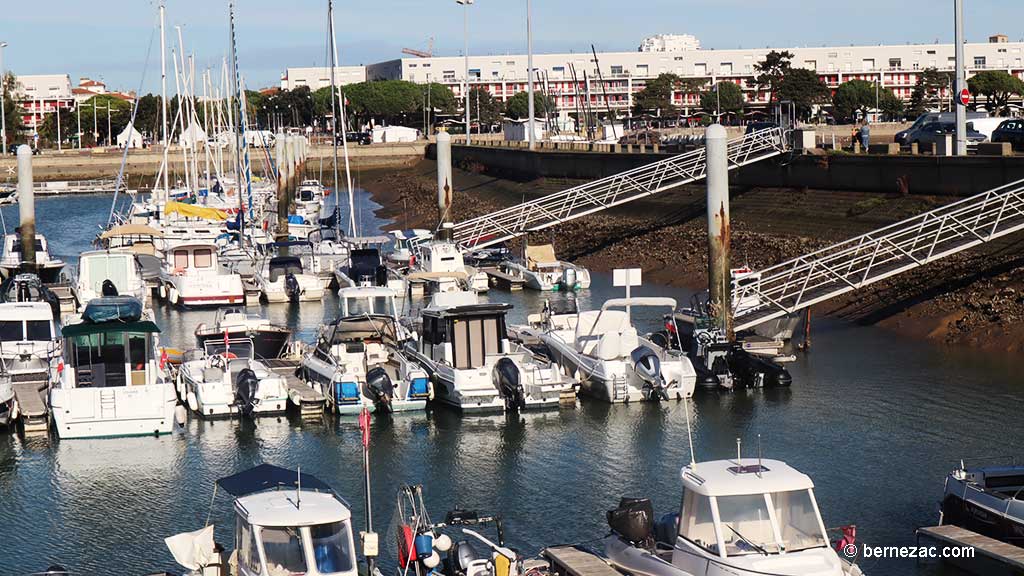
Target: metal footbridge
559 207
804 281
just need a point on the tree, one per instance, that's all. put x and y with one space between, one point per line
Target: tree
724 97
518 106
10 108
392 101
68 127
852 97
771 70
656 95
803 87
927 92
119 115
484 107
890 105
149 119
997 87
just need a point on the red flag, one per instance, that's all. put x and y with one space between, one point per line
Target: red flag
364 427
226 344
163 358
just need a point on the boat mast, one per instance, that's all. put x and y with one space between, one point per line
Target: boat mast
243 170
163 92
335 93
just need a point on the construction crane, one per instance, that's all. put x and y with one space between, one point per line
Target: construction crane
428 53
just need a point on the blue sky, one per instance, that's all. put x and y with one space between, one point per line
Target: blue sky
110 39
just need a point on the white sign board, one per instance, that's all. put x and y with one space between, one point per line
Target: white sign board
626 277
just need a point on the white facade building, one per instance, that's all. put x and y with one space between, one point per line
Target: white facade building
317 78
573 81
669 43
41 94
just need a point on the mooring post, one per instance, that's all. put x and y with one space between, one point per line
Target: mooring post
444 184
26 209
807 330
719 289
282 190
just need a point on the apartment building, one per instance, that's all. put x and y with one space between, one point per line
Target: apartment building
42 94
317 78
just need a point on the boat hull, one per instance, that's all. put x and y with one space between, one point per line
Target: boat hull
112 412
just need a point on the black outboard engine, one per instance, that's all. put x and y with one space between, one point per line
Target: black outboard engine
108 288
291 287
380 386
647 367
506 375
634 521
246 387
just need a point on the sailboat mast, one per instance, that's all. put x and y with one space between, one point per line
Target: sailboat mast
163 92
240 135
335 93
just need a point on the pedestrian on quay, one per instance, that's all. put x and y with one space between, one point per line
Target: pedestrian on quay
865 134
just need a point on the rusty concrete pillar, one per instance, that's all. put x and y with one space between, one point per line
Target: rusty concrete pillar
26 209
720 300
444 184
280 159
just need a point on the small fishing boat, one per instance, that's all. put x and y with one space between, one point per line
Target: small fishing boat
269 340
224 379
288 279
286 522
110 273
193 277
441 265
988 500
604 352
464 347
741 517
404 244
543 271
47 266
358 360
745 282
110 383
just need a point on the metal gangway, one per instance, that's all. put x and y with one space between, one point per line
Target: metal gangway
615 190
804 281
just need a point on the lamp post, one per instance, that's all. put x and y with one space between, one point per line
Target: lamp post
529 78
3 99
961 80
465 54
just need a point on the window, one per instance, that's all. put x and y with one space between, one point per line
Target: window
868 64
833 54
283 550
979 61
895 63
931 51
616 70
641 69
700 69
917 65
811 64
11 331
203 258
412 65
746 526
474 73
697 524
474 339
245 543
798 520
725 68
449 75
38 330
181 258
332 547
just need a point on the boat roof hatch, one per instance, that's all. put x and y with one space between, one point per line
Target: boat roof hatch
268 495
639 301
749 476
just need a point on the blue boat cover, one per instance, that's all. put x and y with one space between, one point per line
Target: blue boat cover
268 477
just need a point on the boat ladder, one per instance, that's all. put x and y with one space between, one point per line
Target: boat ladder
108 404
855 263
610 191
620 390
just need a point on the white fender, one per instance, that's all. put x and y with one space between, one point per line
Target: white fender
193 403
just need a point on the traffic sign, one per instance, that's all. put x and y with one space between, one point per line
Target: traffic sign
965 97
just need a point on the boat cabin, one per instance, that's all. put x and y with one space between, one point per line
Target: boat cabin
749 508
367 301
404 243
464 335
110 345
281 266
49 267
120 268
194 257
27 336
289 523
442 257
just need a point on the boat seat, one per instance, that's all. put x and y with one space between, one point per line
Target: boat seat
213 374
628 341
609 347
593 324
376 353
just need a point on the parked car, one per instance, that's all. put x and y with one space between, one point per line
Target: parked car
903 137
759 126
14 150
932 132
358 137
1011 131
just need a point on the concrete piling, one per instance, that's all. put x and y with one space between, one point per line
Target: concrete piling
719 283
282 189
26 209
444 183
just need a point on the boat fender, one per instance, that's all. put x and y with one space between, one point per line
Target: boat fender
569 279
193 403
432 560
180 415
443 543
14 411
172 295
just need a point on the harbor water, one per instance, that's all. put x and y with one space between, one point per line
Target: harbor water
876 420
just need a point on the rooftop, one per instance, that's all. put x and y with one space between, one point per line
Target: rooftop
285 508
732 478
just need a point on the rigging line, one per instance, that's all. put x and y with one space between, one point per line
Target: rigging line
135 111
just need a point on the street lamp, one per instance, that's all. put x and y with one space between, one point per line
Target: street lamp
3 99
529 78
465 54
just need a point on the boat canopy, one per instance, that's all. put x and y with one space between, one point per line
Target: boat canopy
131 230
456 274
89 328
269 477
541 255
749 476
193 211
639 301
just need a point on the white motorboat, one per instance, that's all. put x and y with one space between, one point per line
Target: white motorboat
193 277
745 298
225 379
404 244
543 271
110 273
365 268
309 199
738 518
358 360
606 354
269 340
30 350
463 346
110 383
7 410
441 265
284 279
47 266
286 522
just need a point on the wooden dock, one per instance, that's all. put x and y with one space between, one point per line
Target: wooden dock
30 397
572 561
1007 556
503 281
309 401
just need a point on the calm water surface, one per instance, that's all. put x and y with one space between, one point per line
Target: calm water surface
875 420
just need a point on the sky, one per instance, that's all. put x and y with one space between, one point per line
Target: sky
115 39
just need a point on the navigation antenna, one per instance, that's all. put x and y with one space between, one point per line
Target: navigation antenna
738 462
759 467
298 487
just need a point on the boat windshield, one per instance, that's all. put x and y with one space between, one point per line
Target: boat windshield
746 526
798 520
332 547
363 305
283 550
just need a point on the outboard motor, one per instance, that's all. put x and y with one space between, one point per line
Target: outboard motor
506 377
380 386
108 288
647 367
246 387
291 287
459 558
569 279
633 520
